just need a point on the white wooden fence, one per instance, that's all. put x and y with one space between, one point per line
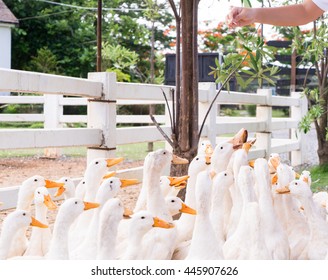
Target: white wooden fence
101 94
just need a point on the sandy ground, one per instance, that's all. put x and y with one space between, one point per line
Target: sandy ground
13 171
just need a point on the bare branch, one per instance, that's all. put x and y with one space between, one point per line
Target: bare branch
167 138
174 9
218 93
168 108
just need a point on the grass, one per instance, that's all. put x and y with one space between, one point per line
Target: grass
130 152
319 175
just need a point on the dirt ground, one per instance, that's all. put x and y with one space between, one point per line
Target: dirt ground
13 171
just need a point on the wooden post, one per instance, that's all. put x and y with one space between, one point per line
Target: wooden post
102 114
297 113
52 111
264 114
203 107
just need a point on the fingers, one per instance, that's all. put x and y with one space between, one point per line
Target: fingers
237 17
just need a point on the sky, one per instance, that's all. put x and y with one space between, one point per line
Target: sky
214 11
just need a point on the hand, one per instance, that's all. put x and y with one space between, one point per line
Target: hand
239 16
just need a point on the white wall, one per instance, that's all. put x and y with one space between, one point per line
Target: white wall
5 48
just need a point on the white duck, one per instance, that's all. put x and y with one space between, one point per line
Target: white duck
11 224
40 238
108 189
224 150
140 224
317 246
80 189
247 242
175 206
321 200
205 147
276 239
93 177
154 165
109 218
185 224
238 159
287 209
67 213
164 239
68 189
24 202
204 245
220 187
152 172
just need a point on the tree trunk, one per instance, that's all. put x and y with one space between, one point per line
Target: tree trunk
187 113
323 153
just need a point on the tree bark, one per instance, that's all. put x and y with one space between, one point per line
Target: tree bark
187 112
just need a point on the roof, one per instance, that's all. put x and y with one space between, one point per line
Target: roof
6 16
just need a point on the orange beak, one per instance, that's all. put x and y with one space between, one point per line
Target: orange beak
52 184
178 181
179 160
90 205
36 223
110 174
240 138
114 161
60 191
248 145
49 202
188 210
283 190
127 212
128 182
274 179
161 223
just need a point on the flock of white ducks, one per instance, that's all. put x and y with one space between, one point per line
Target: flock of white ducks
234 208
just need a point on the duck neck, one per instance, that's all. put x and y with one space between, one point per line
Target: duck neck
6 239
155 200
134 241
107 238
190 191
25 198
59 243
313 216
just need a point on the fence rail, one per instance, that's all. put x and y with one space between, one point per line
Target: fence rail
101 94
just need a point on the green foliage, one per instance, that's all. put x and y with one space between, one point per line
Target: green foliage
45 61
70 34
119 57
319 175
248 64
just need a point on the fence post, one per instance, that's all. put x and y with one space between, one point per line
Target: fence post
210 124
52 111
102 115
297 113
264 114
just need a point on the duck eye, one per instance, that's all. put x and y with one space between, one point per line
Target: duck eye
296 183
35 180
66 180
142 217
38 192
172 200
24 214
97 162
164 153
111 182
225 174
83 182
221 148
75 202
197 158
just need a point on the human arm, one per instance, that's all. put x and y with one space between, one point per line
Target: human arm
291 15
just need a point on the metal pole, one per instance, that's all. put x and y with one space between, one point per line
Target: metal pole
99 17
